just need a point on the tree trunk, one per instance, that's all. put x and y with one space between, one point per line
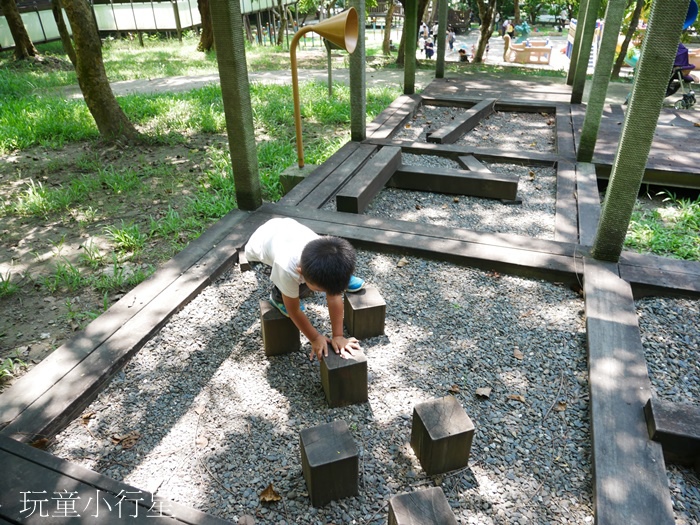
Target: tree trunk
248 30
516 12
111 121
358 96
587 27
634 22
422 4
206 39
601 78
637 134
487 10
238 109
63 31
386 44
283 23
24 47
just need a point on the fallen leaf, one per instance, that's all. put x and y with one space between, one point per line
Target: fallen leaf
418 206
517 397
484 391
199 409
127 440
269 495
408 126
518 354
560 406
41 443
456 199
532 175
87 416
454 389
696 124
201 442
527 314
403 262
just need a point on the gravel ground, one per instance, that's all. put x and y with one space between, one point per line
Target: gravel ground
671 336
213 421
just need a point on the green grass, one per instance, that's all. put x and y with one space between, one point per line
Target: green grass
671 230
128 238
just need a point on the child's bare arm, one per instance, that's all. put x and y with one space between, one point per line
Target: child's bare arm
339 342
319 342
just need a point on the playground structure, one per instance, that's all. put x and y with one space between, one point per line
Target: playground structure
629 466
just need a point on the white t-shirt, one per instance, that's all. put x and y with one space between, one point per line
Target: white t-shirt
279 243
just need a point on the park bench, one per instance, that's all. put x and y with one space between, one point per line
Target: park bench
535 52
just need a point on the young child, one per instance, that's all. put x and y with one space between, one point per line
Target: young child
303 262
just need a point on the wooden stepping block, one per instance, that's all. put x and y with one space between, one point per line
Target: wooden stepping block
344 380
677 427
329 461
422 507
441 435
451 132
243 261
364 313
279 333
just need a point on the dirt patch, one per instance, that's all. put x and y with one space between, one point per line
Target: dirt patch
51 259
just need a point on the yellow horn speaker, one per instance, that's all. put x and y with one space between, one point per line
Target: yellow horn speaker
340 29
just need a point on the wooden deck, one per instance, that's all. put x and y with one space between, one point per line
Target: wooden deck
630 484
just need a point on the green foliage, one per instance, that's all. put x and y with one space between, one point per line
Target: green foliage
128 238
10 367
7 287
672 230
65 276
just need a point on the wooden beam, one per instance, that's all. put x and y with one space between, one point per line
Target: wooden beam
588 200
37 475
566 215
455 182
655 275
451 132
368 181
393 117
630 483
677 427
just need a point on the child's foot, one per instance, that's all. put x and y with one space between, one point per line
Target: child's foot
355 285
280 306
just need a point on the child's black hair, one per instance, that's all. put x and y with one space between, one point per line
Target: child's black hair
328 262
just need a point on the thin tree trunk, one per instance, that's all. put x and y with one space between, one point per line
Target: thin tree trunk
516 12
637 134
634 22
24 47
422 4
601 78
573 59
206 39
487 10
584 54
409 43
238 109
57 11
386 44
358 97
283 23
248 30
111 121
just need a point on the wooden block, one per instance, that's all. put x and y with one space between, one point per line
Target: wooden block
364 313
344 380
368 181
329 461
677 427
279 333
422 507
458 127
471 163
293 175
455 182
441 435
243 261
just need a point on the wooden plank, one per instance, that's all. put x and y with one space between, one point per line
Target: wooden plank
327 189
454 130
366 183
444 243
29 387
566 214
471 163
455 182
453 151
301 190
565 141
630 483
72 388
31 475
394 116
653 277
504 104
588 201
677 427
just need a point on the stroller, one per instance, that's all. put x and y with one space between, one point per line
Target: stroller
681 79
